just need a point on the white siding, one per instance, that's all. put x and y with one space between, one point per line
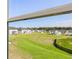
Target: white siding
14 31
26 31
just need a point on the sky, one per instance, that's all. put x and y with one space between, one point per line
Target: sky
20 7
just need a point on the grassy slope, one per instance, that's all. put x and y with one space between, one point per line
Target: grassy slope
65 42
39 46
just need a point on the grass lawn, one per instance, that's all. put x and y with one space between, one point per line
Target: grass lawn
37 46
65 42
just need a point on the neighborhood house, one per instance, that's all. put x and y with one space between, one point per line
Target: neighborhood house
13 31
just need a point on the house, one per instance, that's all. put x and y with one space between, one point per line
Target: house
56 31
26 31
61 31
68 33
13 31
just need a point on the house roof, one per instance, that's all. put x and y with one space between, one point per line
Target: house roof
64 9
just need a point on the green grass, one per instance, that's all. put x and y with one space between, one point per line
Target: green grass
39 46
65 42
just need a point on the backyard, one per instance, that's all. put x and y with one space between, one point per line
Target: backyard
38 46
